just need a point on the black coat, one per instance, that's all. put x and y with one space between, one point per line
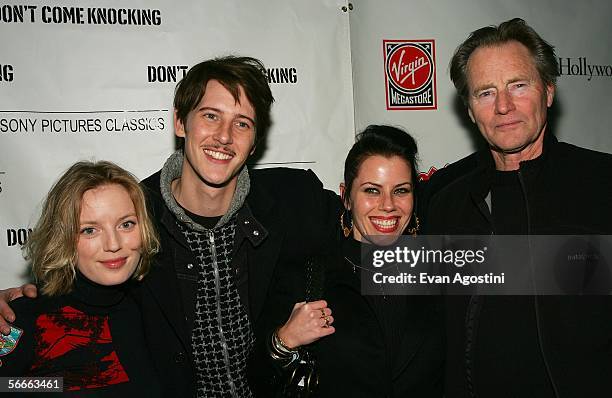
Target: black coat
567 191
383 346
287 215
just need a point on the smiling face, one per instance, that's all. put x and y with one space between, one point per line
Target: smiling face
381 198
219 136
109 241
508 100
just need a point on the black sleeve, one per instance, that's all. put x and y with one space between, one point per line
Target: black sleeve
313 229
16 350
326 209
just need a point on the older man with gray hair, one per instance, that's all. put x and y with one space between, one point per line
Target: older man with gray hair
524 183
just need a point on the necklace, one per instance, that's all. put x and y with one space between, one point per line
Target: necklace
355 266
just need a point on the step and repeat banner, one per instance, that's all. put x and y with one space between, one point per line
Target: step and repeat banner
430 31
95 80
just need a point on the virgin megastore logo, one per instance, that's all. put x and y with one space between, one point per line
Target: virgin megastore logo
410 74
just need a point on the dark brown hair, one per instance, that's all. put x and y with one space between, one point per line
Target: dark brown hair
380 140
232 72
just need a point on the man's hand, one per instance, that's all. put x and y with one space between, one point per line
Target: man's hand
8 295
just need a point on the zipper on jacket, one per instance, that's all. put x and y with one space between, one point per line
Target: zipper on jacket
472 315
535 297
213 253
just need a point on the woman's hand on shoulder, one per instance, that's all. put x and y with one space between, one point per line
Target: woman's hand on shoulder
307 323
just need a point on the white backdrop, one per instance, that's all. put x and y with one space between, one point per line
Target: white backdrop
60 62
581 114
99 74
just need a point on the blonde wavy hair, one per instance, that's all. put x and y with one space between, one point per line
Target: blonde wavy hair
52 246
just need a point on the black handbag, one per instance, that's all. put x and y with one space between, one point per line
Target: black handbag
301 377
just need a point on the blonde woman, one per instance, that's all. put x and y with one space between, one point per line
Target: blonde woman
93 241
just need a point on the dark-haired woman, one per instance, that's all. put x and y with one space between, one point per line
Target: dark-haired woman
372 346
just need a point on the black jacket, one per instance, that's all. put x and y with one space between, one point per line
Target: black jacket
287 215
568 190
383 346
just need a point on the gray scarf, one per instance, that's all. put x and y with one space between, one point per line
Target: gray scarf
172 170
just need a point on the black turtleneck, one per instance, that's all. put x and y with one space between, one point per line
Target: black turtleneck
98 296
92 337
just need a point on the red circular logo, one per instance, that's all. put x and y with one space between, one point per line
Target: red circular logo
409 67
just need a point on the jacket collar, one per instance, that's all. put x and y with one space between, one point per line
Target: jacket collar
533 166
484 172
